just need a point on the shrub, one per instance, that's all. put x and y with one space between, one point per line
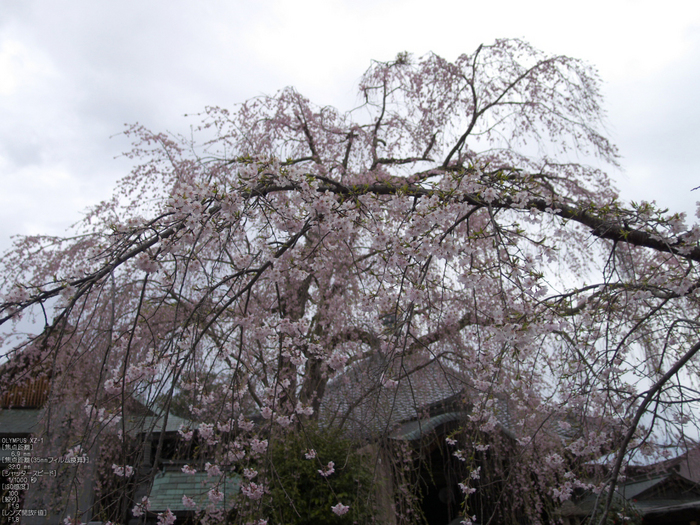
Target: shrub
314 470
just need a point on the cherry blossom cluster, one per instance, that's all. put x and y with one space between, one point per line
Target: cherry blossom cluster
238 280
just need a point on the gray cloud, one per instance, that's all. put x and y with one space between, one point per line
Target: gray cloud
73 72
657 126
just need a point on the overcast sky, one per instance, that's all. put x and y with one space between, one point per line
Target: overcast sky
73 72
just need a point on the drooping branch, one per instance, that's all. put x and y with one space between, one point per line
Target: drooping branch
641 410
83 284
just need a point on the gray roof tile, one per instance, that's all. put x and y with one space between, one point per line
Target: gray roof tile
19 420
170 486
365 408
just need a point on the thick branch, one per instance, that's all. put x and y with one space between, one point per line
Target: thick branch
600 227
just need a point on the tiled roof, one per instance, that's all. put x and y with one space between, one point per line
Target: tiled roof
359 400
668 496
170 486
418 428
155 423
152 423
671 485
19 421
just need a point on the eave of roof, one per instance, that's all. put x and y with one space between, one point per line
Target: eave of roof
417 429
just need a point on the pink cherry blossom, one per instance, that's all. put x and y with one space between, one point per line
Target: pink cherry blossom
289 264
253 491
166 518
212 470
123 471
328 470
215 495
